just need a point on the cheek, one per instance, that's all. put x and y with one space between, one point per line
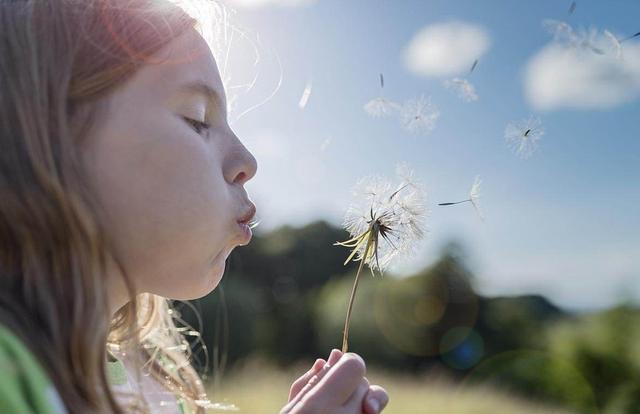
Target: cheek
169 211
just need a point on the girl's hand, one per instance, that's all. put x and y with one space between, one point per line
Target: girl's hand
336 386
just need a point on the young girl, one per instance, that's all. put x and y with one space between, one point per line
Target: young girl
121 186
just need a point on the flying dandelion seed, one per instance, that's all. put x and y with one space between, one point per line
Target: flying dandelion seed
305 96
385 223
419 115
474 195
380 106
584 39
572 8
465 90
523 136
630 37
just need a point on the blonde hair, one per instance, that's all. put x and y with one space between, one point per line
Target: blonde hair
58 58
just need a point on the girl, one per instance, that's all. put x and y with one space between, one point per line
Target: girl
121 185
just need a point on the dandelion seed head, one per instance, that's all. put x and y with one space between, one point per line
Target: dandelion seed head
523 136
419 115
465 90
399 211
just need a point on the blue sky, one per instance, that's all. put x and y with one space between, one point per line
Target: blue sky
563 222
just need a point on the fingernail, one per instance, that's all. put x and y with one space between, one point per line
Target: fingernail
374 405
334 356
319 363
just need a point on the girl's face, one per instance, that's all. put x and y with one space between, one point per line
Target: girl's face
173 191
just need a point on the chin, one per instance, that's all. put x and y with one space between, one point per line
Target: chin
206 281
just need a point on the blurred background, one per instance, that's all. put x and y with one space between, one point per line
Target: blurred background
534 308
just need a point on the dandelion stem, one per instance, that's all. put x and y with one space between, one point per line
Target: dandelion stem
345 337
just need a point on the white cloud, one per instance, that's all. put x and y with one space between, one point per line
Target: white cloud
255 4
446 49
568 77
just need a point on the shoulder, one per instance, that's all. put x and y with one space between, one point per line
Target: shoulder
24 385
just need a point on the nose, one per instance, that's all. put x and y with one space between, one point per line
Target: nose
242 165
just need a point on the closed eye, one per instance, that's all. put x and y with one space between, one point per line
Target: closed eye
198 126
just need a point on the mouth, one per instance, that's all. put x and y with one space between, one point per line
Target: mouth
244 224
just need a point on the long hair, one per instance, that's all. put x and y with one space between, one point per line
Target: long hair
58 58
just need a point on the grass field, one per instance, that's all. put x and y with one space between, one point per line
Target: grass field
257 387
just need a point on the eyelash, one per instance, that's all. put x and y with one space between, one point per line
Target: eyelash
199 124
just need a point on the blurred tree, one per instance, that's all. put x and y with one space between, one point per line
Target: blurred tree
285 295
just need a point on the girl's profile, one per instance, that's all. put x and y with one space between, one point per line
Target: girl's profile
121 189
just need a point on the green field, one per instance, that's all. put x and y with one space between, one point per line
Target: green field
258 387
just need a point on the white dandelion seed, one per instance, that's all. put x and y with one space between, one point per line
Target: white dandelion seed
380 106
465 90
305 96
586 39
419 115
385 222
474 196
523 136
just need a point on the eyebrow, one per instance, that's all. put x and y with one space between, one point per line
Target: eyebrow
202 88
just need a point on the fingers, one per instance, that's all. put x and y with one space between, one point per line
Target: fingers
333 358
354 404
342 380
302 381
375 400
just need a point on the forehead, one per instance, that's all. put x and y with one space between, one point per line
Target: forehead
186 65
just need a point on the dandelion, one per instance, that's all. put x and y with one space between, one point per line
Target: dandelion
305 96
380 106
523 136
466 91
384 222
474 195
419 115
